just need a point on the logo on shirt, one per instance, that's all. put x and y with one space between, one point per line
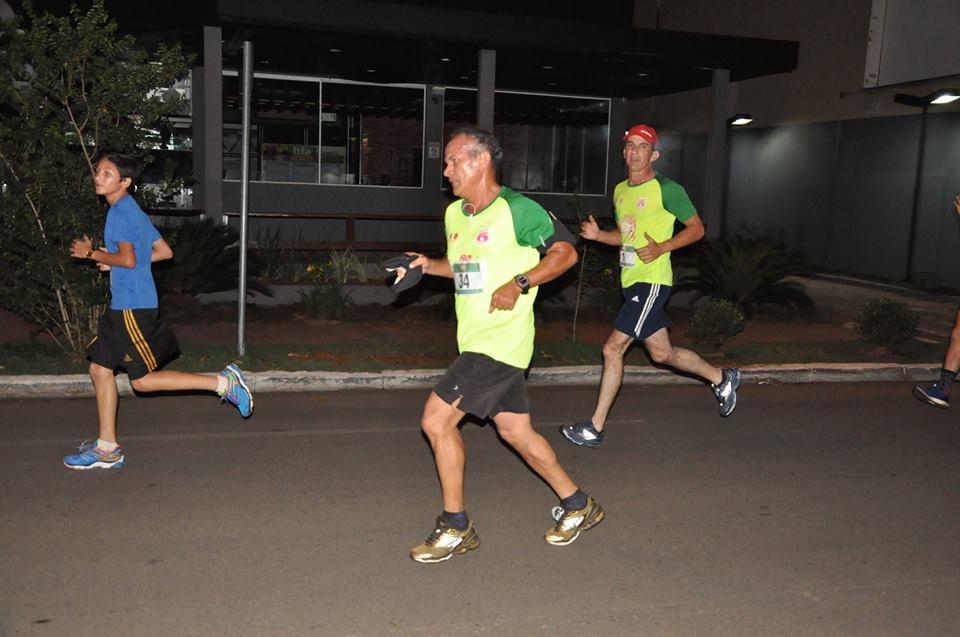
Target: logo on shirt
483 236
642 202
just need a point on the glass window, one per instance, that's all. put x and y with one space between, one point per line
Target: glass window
284 132
550 143
363 133
371 134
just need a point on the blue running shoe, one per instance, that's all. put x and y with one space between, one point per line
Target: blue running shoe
583 434
90 457
932 394
237 393
726 390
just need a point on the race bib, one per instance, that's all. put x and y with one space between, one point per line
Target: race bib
628 256
468 276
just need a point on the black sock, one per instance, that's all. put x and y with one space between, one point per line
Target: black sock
946 378
458 520
573 502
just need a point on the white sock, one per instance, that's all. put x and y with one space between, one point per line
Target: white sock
222 384
106 446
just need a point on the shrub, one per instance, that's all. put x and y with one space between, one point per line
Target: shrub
748 271
326 300
714 323
206 258
887 322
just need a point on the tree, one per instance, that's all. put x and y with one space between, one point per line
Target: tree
69 85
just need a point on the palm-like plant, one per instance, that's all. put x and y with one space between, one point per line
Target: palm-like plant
206 259
749 271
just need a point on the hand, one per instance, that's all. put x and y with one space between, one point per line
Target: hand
650 251
589 228
504 297
81 247
421 260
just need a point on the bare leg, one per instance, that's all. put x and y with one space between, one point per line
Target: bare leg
611 377
662 352
518 432
439 422
951 359
174 381
105 387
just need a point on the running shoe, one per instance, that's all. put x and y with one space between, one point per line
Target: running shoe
237 393
91 457
583 433
932 394
571 523
726 390
445 542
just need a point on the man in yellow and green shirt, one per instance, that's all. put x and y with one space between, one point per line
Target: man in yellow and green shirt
495 239
647 206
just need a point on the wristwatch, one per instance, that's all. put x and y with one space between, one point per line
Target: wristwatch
88 254
522 282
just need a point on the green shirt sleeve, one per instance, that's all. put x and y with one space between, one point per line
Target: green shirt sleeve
531 223
675 199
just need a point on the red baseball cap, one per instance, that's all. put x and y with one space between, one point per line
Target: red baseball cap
644 132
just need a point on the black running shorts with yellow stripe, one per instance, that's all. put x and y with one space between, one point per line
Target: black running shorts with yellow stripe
135 340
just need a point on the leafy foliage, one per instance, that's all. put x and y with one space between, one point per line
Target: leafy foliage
329 297
749 272
206 258
714 323
69 85
326 300
887 322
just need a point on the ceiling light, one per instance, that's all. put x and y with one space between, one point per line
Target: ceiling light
444 59
740 119
945 96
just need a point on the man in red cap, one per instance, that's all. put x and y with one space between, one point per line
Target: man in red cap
647 205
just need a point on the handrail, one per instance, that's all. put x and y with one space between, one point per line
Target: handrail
350 240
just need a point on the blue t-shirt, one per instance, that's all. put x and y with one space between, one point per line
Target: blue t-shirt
131 288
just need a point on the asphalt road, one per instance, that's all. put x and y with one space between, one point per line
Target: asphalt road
816 509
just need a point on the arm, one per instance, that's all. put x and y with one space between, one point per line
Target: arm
437 267
160 251
124 257
559 258
589 229
692 232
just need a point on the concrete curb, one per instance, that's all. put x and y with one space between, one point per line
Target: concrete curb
79 386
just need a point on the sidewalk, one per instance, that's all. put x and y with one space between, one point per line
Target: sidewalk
836 297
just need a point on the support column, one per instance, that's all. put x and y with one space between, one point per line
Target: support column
207 111
486 83
715 177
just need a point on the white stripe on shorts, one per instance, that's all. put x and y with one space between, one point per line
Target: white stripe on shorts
647 305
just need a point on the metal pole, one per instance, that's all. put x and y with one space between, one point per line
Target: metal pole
917 180
244 196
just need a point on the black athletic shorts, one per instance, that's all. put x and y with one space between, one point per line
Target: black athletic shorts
644 310
134 340
484 386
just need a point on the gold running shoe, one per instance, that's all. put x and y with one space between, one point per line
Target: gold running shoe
571 523
445 542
